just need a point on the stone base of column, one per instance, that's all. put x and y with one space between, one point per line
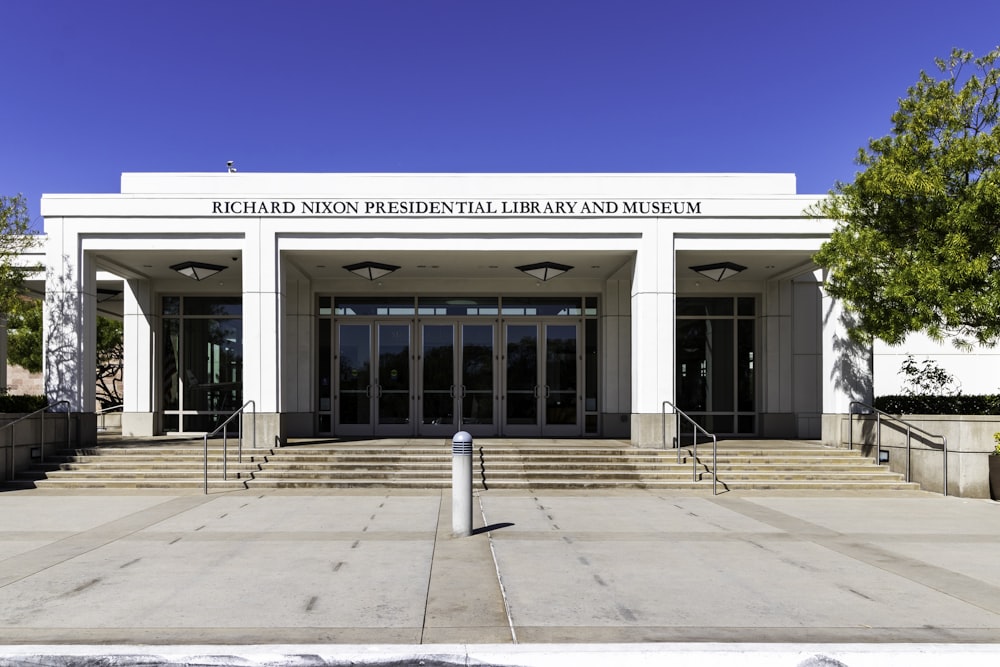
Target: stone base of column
647 430
138 424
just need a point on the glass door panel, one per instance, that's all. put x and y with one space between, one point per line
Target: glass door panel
437 385
522 386
354 379
392 393
478 384
561 375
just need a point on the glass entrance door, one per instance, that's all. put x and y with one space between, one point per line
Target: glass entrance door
374 394
457 379
715 378
541 383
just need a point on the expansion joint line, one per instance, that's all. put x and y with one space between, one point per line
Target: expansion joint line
496 565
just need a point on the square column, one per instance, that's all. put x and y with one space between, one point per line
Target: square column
138 318
262 335
69 329
653 331
847 370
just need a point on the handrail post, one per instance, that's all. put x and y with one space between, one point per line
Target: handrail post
850 426
715 465
944 447
907 453
677 433
41 446
225 453
878 436
663 424
206 464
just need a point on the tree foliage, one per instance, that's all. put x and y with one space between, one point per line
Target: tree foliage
917 247
24 348
24 335
15 239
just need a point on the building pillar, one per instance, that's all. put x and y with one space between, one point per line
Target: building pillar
138 372
262 334
653 330
69 329
616 367
847 370
297 390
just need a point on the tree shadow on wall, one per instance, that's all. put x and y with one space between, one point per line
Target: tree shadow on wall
61 352
851 372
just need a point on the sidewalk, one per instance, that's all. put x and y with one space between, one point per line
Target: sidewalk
606 569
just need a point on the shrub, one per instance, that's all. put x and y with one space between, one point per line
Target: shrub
982 404
10 403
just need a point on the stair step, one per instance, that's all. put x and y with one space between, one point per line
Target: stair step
556 465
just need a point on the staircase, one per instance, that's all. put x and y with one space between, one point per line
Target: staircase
426 464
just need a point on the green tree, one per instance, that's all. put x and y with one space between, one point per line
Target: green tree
15 238
24 335
24 348
917 246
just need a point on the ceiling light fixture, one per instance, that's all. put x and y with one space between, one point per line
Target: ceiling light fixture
718 271
371 270
544 270
197 270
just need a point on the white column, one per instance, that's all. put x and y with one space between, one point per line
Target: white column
846 368
138 318
69 328
262 331
653 330
616 365
297 358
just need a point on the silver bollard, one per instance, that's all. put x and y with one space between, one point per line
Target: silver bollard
461 484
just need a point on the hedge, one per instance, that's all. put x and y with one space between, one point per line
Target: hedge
982 404
16 403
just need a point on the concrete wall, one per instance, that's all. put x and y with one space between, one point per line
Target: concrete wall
18 441
969 442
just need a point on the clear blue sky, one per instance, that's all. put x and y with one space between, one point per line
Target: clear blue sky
94 88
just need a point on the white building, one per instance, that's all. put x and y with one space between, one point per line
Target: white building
453 330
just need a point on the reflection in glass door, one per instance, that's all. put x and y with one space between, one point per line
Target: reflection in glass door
542 397
457 380
373 390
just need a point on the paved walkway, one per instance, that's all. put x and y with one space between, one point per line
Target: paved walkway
592 571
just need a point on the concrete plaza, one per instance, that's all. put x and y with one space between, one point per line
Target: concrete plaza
377 573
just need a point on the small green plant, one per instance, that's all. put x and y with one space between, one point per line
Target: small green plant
996 440
927 379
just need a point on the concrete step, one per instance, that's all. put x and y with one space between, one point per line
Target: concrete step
513 466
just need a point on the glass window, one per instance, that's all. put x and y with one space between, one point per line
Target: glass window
705 306
216 306
171 305
542 307
746 306
365 306
459 306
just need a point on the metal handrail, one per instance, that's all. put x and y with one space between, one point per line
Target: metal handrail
909 429
103 411
694 440
10 449
225 439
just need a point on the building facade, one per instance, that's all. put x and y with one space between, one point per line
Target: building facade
506 305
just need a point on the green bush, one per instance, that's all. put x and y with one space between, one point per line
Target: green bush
983 404
10 403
